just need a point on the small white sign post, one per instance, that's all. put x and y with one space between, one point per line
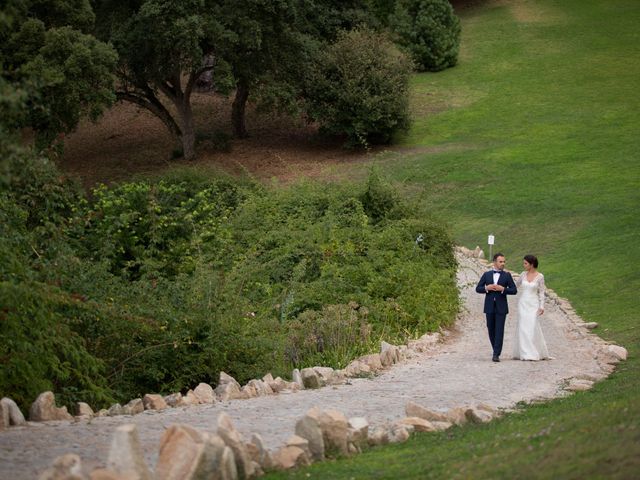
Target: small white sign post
491 240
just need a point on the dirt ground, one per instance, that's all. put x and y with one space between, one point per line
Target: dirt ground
128 141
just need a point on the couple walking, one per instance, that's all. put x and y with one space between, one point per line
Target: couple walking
496 284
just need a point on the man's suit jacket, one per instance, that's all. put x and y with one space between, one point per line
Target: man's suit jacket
496 301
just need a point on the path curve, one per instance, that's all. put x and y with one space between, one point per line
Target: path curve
456 372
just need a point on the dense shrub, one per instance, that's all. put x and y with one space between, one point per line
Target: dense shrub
154 286
359 88
429 30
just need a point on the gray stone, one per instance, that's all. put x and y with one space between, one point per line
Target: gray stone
476 415
372 361
125 455
335 430
412 409
134 407
234 441
84 410
153 401
357 369
297 378
259 453
358 432
290 457
44 408
226 379
228 391
175 400
378 435
399 433
308 427
418 424
310 378
4 417
204 393
302 443
617 351
115 409
16 418
187 454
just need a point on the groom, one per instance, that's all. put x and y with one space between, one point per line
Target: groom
496 284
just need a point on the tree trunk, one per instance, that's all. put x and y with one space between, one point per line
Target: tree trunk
188 134
238 109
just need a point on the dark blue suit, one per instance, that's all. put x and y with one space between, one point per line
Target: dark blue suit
496 306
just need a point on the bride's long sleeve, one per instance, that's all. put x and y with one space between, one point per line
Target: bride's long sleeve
519 280
541 289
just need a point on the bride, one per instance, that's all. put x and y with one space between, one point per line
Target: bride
529 342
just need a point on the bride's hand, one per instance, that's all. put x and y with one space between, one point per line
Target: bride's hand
540 311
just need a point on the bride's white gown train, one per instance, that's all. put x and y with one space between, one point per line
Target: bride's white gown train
529 342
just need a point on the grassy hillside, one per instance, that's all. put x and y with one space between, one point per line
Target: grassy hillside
537 134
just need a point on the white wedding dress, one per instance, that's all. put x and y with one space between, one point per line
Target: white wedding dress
529 342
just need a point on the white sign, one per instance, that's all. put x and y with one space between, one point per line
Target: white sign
491 240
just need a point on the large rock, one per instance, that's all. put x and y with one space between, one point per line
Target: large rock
389 354
190 398
357 369
477 415
378 435
66 467
125 455
296 376
44 408
310 378
134 407
301 443
308 427
372 361
399 433
335 430
412 409
234 441
359 432
4 417
228 391
153 401
175 400
290 457
84 410
457 415
617 351
226 379
115 409
258 452
262 388
14 415
418 424
204 393
186 454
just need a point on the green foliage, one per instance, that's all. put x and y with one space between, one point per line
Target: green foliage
429 30
359 88
64 73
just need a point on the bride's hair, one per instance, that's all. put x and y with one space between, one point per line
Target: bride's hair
531 259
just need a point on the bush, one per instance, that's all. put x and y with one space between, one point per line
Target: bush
359 89
430 31
157 286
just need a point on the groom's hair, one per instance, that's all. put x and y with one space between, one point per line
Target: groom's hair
532 259
497 255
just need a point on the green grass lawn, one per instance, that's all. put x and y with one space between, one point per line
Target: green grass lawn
538 134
